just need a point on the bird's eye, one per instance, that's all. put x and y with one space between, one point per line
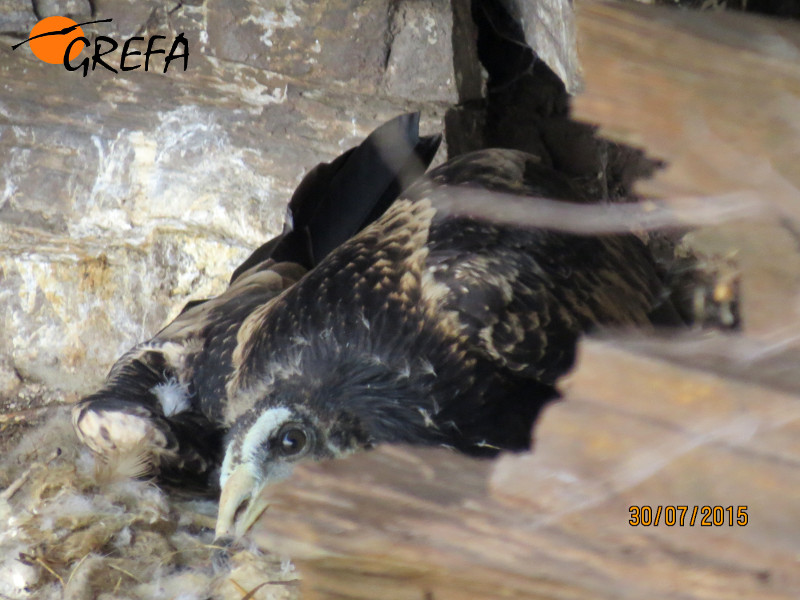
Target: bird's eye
292 441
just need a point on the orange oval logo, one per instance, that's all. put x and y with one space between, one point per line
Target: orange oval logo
60 32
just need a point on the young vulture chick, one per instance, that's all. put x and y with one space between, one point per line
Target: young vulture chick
425 328
166 398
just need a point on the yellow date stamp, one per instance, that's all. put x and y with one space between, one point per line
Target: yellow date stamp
684 515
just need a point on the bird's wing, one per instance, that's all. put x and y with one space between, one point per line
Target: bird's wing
520 297
524 308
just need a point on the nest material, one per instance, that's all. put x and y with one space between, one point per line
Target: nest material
73 527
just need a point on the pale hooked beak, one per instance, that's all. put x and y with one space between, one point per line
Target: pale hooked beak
240 504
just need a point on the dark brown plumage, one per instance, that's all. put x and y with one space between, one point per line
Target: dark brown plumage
425 328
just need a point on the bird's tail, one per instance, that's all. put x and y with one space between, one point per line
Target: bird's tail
338 199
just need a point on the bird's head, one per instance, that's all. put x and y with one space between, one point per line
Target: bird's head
328 407
265 444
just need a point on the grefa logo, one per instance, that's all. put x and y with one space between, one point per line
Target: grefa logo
60 40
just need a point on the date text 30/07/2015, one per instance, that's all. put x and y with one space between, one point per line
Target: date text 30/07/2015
705 516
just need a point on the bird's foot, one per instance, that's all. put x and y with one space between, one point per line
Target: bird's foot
129 428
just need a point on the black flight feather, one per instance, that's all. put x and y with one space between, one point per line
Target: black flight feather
336 200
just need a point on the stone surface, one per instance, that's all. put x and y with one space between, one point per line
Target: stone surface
403 49
16 16
550 31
